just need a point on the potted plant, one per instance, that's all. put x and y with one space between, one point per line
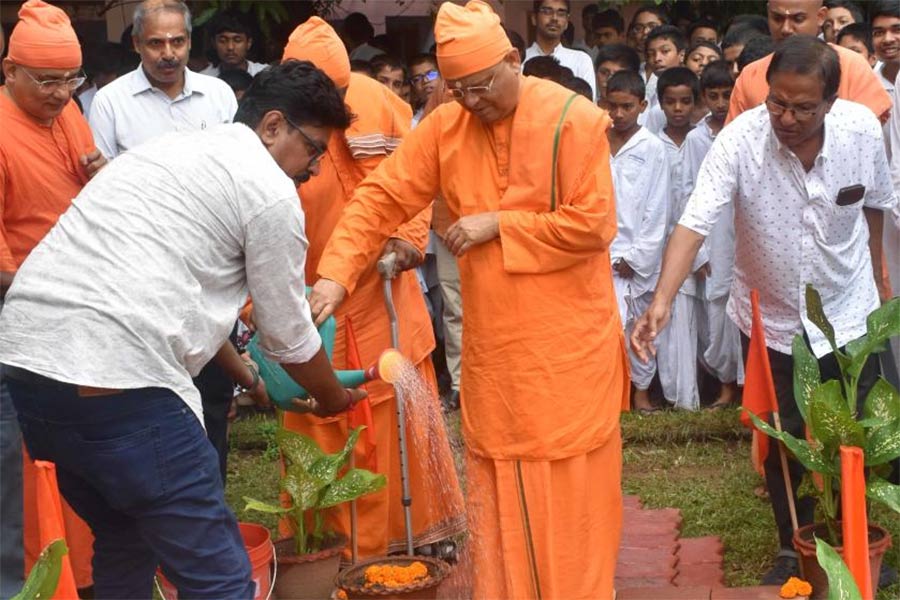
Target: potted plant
829 411
308 562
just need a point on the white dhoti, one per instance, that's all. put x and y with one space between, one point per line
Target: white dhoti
677 354
722 354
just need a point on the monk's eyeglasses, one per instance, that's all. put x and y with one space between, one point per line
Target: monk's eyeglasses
50 86
318 150
476 90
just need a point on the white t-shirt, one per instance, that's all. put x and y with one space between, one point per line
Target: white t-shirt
129 111
141 280
252 67
789 229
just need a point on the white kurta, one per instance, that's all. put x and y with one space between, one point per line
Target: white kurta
641 179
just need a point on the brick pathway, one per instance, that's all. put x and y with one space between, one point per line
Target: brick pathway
655 563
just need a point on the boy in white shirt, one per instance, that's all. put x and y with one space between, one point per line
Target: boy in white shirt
641 180
679 92
720 340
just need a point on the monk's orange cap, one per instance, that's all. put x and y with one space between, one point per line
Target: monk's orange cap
317 42
44 39
469 39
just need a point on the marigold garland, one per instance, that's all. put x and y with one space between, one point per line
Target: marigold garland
794 587
391 576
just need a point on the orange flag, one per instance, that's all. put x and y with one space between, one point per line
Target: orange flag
50 524
853 520
759 387
361 414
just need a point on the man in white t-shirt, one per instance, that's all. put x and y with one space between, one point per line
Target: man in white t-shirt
232 39
886 41
135 289
550 19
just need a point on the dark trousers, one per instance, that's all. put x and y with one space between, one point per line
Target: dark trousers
12 554
783 375
137 467
216 393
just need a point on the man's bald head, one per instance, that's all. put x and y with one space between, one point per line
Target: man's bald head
790 17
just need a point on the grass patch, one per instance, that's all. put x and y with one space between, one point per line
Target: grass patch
698 462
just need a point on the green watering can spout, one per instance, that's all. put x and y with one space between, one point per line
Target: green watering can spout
282 388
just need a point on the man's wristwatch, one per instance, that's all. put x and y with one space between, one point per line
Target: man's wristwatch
254 370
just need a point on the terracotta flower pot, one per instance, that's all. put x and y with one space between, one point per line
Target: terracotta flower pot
805 544
352 580
307 576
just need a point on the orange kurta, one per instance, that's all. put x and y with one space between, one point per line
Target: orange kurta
543 364
40 174
858 83
382 119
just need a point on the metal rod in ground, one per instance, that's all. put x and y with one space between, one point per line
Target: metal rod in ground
386 268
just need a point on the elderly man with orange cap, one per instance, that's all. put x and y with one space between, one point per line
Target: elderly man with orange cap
47 154
524 166
363 331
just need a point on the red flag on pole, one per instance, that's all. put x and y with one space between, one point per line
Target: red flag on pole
759 387
361 414
50 524
853 519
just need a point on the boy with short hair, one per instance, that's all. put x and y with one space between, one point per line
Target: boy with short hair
666 46
719 337
679 92
609 28
610 60
640 174
858 37
886 41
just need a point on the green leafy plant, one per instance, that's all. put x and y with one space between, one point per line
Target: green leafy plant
267 12
311 479
841 585
829 410
44 576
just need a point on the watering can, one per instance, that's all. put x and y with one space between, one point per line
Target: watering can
283 389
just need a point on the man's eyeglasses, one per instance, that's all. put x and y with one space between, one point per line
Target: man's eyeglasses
476 90
318 150
50 86
547 11
644 27
426 77
777 108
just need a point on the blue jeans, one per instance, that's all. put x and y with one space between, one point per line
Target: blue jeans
12 559
137 467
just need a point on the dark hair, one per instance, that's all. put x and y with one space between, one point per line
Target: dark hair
701 24
806 55
517 42
857 31
716 74
303 93
621 55
883 8
628 82
650 8
708 45
106 57
677 76
852 8
668 32
361 66
545 67
590 9
229 21
385 60
580 86
538 3
237 79
740 35
419 59
754 50
757 22
358 28
608 19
